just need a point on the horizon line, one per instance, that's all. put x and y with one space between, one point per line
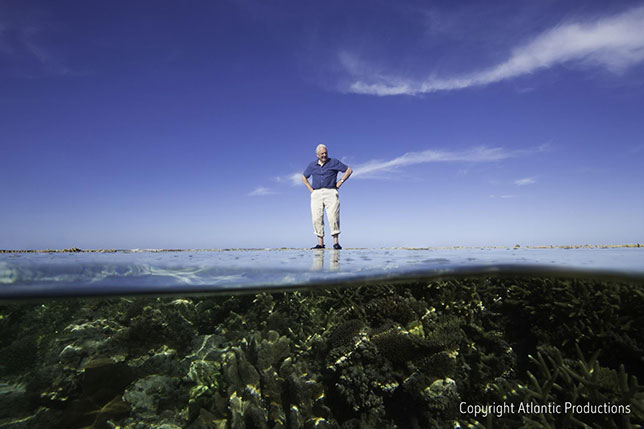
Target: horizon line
516 246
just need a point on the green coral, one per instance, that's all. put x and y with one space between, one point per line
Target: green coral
580 382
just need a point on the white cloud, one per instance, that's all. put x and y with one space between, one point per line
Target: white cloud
504 196
261 191
616 43
525 181
477 154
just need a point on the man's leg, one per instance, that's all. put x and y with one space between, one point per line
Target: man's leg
332 203
317 214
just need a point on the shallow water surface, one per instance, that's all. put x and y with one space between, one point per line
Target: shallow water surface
122 272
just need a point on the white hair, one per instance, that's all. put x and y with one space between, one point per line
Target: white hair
319 148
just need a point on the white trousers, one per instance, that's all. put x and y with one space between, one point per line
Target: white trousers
329 199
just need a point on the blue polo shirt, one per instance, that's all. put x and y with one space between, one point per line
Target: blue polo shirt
324 176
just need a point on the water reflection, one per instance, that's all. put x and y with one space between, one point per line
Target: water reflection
318 260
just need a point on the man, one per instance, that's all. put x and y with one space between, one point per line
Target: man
324 193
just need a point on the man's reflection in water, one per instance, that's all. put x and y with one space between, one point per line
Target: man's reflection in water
318 260
335 260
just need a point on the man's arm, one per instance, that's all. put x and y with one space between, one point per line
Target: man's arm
344 178
306 182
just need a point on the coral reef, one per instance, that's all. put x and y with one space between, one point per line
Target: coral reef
403 354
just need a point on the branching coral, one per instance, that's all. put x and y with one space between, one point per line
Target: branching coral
611 398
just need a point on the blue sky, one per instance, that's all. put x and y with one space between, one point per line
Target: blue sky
163 124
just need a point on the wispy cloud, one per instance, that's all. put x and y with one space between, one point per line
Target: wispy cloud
476 154
49 61
372 168
26 48
525 181
503 197
261 191
293 178
615 43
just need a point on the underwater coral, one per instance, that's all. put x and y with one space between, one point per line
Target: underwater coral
480 351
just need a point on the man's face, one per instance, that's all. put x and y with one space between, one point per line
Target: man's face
322 155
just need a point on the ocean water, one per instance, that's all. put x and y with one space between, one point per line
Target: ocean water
357 338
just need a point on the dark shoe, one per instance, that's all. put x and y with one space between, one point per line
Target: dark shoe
337 246
317 246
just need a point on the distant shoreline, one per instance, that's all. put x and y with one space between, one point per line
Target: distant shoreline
517 246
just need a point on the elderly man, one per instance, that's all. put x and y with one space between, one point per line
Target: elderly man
324 193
